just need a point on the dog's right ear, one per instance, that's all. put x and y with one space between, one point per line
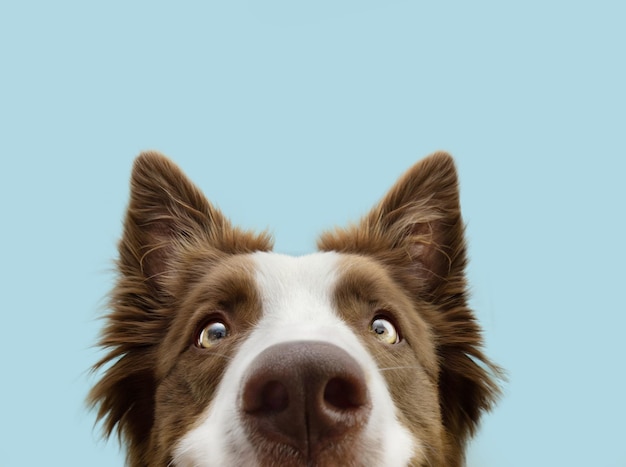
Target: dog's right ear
168 214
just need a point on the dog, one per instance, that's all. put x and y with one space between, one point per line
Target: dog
224 353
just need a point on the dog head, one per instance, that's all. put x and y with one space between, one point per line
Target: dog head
222 352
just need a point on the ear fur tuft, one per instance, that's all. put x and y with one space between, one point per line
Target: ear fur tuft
419 219
167 213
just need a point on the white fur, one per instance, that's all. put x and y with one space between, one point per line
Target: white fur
297 305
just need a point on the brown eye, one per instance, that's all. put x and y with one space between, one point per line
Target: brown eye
384 331
211 334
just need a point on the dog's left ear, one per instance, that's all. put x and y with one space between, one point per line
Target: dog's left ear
418 223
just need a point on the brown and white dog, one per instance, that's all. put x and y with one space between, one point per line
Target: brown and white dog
222 353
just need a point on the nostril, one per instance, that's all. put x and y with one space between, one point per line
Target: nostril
264 397
344 394
274 397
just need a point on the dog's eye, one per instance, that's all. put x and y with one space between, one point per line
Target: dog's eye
211 334
385 331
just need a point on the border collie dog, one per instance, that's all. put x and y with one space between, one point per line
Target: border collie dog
223 353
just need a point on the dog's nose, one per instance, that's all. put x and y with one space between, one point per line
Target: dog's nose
305 394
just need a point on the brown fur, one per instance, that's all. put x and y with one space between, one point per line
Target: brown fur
417 232
411 368
172 237
154 382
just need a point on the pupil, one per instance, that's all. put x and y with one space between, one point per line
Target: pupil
217 331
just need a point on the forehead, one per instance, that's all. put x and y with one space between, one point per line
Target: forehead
296 288
307 282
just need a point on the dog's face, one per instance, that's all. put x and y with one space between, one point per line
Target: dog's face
225 353
305 379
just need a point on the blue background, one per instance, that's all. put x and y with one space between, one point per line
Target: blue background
298 116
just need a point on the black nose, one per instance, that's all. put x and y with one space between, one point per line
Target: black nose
305 394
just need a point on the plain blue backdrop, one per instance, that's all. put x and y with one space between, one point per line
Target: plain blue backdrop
297 116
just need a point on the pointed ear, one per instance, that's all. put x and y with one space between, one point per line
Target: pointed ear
167 213
418 221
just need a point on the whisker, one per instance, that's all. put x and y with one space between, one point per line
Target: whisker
406 367
223 355
172 462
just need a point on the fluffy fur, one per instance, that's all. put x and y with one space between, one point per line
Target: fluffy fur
181 260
